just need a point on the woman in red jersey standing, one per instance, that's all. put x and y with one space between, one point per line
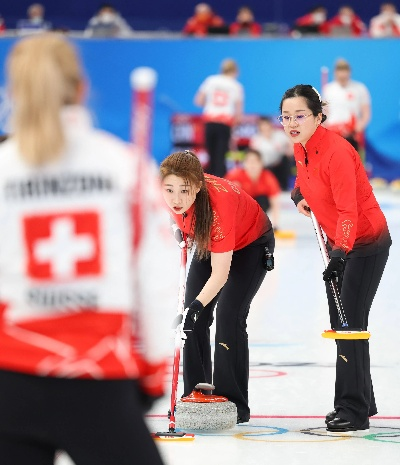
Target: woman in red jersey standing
332 182
83 344
232 236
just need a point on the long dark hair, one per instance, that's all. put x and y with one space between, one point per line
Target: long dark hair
187 166
310 94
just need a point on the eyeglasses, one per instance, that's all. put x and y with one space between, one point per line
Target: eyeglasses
299 119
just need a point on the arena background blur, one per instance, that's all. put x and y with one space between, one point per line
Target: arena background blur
268 65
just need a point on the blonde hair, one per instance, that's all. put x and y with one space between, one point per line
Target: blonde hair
229 66
44 74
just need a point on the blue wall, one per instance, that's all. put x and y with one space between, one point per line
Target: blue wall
171 14
268 68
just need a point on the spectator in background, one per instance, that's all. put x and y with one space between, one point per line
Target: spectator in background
203 19
387 23
221 97
259 183
275 149
345 23
312 23
35 21
349 105
245 23
107 23
2 25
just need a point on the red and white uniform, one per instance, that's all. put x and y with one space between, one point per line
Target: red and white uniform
222 93
84 286
340 25
331 178
199 26
266 184
385 25
344 105
238 219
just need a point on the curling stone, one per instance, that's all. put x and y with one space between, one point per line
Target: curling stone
199 411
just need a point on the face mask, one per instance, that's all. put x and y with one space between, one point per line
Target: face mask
107 17
319 18
345 19
387 15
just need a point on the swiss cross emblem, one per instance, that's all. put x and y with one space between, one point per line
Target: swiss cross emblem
220 98
62 246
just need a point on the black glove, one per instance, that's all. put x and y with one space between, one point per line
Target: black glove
193 312
334 269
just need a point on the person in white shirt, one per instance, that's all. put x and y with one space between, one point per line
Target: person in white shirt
107 23
275 149
387 23
35 22
85 278
349 105
221 97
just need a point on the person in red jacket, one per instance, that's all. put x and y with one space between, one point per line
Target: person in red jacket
203 19
245 24
2 25
332 182
311 23
234 239
345 23
258 182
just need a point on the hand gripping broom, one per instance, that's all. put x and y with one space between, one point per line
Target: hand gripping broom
344 332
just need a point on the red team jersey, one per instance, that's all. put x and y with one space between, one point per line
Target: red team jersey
238 219
331 178
266 184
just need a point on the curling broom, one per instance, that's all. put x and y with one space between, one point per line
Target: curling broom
345 332
172 434
143 81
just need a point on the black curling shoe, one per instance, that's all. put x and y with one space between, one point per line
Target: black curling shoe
338 425
242 420
330 416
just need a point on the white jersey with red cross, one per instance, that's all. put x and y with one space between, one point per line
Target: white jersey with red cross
222 93
85 260
345 102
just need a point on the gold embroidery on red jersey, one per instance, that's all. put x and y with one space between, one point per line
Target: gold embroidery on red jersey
346 228
218 186
218 234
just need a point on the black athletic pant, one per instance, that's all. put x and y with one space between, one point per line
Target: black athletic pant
95 422
282 172
263 201
231 355
217 138
354 396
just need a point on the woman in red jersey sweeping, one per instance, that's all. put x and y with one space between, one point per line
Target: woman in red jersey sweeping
234 239
82 344
332 182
